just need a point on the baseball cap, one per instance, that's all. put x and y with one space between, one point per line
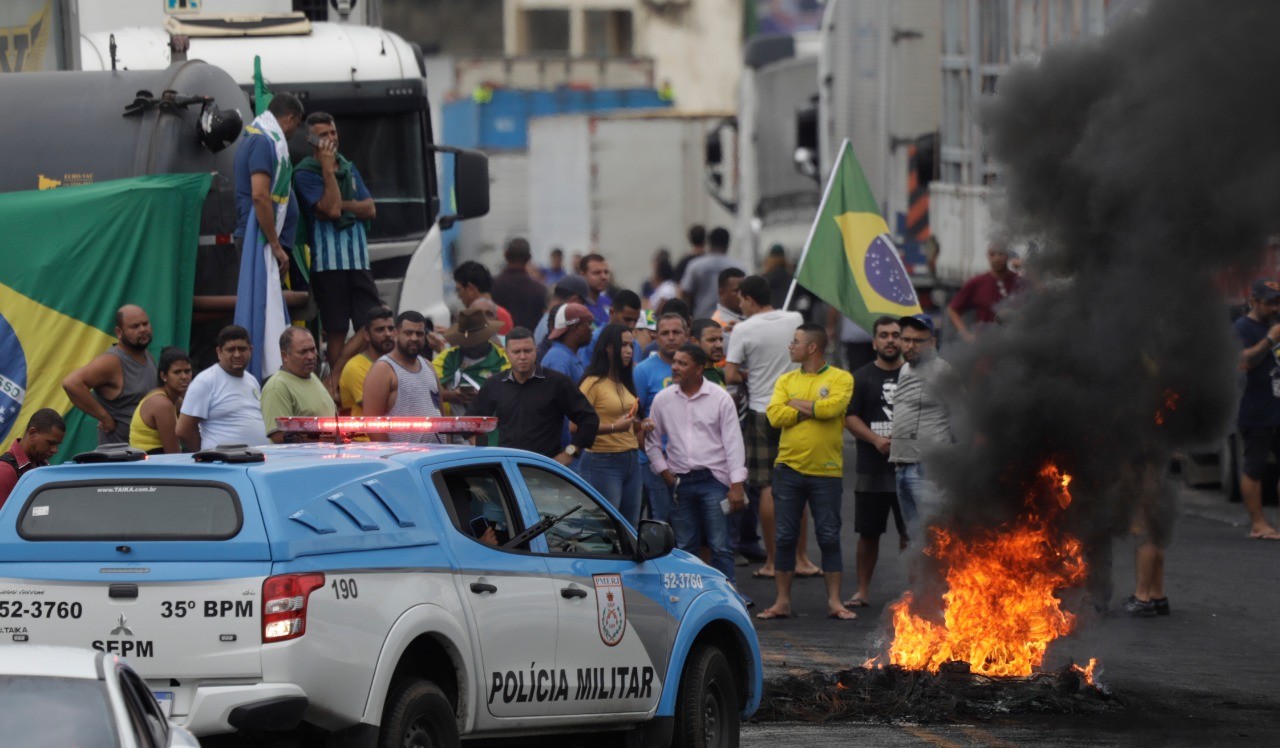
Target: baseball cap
567 316
917 321
1265 289
647 320
572 285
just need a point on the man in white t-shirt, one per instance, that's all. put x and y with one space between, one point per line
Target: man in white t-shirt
223 403
758 354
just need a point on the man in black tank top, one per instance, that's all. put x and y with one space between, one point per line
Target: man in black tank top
110 386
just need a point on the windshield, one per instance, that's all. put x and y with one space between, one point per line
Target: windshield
388 151
131 511
71 712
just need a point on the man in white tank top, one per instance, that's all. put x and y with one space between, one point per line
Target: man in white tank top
402 383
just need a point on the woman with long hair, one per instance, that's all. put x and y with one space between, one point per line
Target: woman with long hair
612 463
154 428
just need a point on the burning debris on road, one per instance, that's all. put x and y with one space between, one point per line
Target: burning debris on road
953 693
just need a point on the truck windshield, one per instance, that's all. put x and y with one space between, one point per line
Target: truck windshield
71 711
388 150
131 511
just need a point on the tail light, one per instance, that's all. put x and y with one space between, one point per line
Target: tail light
284 605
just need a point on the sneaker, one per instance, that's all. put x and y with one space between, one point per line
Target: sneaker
1140 608
1162 605
741 560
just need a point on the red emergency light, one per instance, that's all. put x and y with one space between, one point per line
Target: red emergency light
344 425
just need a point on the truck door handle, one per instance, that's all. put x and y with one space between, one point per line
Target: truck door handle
482 587
569 593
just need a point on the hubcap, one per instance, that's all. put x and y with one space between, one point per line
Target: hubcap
419 735
711 715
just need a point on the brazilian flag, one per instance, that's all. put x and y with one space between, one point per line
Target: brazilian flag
71 257
850 260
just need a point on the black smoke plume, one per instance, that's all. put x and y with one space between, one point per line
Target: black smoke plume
1146 166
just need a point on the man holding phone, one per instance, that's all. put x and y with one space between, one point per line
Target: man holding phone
472 358
337 209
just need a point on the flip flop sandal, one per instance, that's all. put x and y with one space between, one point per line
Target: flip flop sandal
856 602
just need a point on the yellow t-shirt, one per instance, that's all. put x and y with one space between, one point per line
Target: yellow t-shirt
612 401
814 446
351 384
142 436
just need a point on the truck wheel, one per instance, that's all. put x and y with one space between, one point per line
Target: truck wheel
418 715
707 711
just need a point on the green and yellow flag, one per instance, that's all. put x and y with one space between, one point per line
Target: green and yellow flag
850 260
70 258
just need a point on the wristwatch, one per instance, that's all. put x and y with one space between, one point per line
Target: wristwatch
571 450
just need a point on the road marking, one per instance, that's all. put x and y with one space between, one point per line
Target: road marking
981 735
930 738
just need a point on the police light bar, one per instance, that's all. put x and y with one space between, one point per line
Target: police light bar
386 424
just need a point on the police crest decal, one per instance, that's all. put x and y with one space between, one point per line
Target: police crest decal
611 607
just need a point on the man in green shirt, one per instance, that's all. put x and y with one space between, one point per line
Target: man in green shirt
295 390
709 336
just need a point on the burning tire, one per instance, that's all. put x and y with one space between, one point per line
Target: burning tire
418 714
707 709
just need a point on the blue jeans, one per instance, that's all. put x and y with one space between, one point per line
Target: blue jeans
697 514
616 475
659 495
791 491
916 495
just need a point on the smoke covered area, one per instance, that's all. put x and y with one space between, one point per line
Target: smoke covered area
1146 164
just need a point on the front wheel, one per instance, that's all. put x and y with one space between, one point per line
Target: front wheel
418 715
707 711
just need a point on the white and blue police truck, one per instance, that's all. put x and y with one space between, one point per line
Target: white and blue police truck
382 594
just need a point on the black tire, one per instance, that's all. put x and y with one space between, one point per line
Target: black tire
417 715
707 710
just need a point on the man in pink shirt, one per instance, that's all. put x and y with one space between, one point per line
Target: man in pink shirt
704 462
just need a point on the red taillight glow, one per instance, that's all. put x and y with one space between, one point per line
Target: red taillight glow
284 605
386 424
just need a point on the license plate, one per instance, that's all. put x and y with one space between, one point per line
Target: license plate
165 700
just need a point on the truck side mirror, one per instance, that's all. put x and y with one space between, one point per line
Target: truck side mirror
656 539
470 185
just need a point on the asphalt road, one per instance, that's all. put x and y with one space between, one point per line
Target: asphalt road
1209 674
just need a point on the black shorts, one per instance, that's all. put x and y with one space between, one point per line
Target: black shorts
1259 443
871 511
344 297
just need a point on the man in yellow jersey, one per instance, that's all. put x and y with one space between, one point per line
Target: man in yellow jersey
379 332
808 405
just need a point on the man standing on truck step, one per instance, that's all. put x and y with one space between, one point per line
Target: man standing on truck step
263 173
109 387
531 402
402 383
337 208
474 281
295 390
379 334
516 289
700 285
223 403
39 442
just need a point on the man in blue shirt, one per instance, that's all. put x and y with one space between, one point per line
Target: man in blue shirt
570 331
336 206
625 311
596 270
652 376
259 173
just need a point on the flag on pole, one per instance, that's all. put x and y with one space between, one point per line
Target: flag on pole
261 95
850 260
71 257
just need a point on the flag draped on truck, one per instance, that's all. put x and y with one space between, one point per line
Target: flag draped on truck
850 260
70 258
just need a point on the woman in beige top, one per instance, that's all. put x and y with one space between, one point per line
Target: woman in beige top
612 464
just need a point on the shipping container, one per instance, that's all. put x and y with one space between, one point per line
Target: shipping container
535 72
622 184
498 120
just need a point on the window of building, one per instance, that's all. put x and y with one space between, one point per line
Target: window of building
609 33
544 32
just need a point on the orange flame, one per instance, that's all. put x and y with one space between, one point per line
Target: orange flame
1170 404
1000 611
1086 672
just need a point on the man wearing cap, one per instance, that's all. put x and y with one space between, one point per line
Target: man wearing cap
982 293
921 420
570 289
1258 421
570 331
472 358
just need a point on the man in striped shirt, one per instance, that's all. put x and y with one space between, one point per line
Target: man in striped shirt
337 208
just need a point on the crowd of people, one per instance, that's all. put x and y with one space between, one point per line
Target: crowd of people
695 401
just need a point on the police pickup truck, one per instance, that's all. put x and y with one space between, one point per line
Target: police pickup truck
379 593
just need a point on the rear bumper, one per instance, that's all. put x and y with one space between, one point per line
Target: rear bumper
261 706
